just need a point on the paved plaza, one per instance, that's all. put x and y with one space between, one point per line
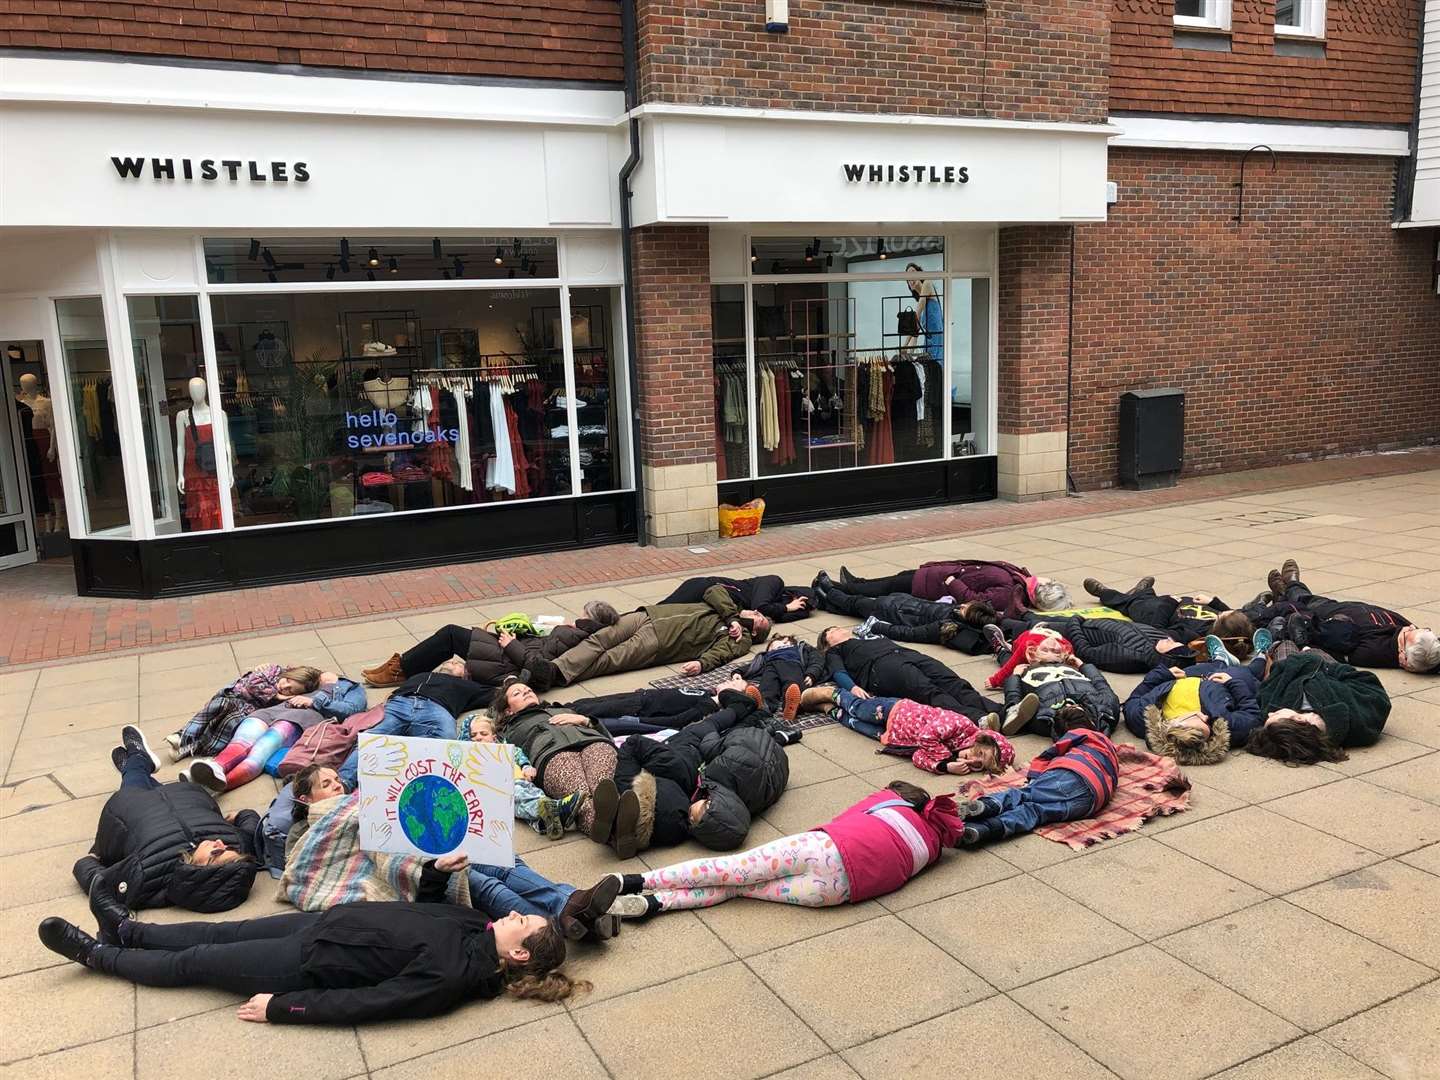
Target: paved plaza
1284 926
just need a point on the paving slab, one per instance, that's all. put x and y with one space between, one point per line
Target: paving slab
1392 903
1396 1038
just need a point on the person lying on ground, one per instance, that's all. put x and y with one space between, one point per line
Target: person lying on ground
423 706
1352 631
1042 674
699 637
907 618
1073 779
1185 618
705 782
1114 645
778 677
325 967
210 730
168 845
767 594
548 817
873 665
265 735
1196 714
490 656
286 820
1314 707
648 710
869 850
936 740
1009 589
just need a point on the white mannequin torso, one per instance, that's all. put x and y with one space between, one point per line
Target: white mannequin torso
199 413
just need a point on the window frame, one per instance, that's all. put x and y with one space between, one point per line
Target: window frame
1312 22
1216 17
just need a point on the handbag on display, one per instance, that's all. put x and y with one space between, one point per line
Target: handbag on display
204 452
907 322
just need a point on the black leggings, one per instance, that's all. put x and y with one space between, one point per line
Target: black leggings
440 646
879 586
256 956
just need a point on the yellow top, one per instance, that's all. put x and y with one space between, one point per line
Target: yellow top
1183 699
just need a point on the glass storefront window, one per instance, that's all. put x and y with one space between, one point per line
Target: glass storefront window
362 403
843 254
85 357
969 367
175 419
284 260
732 387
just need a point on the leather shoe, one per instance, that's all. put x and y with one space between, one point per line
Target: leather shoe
627 820
109 910
606 798
68 940
585 906
1290 571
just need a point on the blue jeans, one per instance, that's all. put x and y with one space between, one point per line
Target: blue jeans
1057 795
865 715
138 771
499 890
413 716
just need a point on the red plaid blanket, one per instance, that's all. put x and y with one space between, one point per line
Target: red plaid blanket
1149 786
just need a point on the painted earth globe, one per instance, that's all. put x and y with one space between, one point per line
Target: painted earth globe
433 814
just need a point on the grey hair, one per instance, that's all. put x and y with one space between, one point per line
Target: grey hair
601 612
1050 595
1423 653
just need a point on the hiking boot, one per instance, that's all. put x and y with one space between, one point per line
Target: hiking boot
1216 650
1297 629
995 638
1290 571
627 820
133 739
172 742
390 673
606 798
791 706
68 940
569 808
1145 584
752 692
813 698
587 905
1024 712
1276 583
547 819
208 774
1093 587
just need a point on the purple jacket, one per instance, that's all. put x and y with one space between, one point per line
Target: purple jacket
1001 584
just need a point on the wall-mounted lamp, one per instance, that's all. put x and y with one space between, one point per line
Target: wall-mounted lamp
777 16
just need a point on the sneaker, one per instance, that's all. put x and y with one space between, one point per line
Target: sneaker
1290 571
1297 629
969 808
547 819
752 692
634 906
995 638
1093 587
1216 650
117 758
206 773
172 742
1015 723
791 706
867 628
133 739
972 836
1276 627
1262 640
569 808
990 722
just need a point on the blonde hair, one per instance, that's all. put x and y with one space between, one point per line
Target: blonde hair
1188 738
307 677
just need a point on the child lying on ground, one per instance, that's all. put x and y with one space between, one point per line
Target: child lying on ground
1071 780
779 675
548 817
1049 676
936 740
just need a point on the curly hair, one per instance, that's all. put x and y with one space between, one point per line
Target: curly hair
539 978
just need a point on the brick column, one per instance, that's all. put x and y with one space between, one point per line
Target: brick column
1034 332
671 271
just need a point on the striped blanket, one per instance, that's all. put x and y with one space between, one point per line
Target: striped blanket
326 866
711 679
1149 786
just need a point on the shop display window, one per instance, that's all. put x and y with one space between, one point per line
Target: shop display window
85 356
341 404
284 260
841 254
969 367
732 386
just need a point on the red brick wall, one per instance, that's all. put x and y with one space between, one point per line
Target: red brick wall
554 39
1367 74
1028 59
676 365
1034 297
1311 329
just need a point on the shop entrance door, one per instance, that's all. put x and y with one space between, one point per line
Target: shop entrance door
32 501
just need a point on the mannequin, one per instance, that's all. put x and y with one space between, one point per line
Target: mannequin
42 434
194 444
928 314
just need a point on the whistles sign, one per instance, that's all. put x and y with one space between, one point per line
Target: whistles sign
907 174
234 170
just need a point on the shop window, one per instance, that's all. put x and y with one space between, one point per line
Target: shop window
85 358
841 254
284 260
1202 14
732 384
177 424
341 404
1300 18
969 367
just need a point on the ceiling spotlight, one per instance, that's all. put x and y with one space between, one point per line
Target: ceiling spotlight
330 272
373 258
499 257
394 265
435 249
880 248
753 256
254 250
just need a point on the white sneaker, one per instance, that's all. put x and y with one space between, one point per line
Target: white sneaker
209 775
634 906
172 742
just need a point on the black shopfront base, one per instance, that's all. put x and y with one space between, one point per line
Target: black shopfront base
184 565
852 492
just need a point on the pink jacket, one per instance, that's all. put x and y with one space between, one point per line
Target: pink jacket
936 735
883 842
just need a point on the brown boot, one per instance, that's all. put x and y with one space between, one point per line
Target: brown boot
793 694
387 674
1289 571
816 696
1277 584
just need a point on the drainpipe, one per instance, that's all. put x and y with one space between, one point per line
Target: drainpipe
632 100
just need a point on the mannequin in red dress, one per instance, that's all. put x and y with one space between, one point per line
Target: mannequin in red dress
194 433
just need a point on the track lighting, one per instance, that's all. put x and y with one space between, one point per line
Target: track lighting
330 272
254 250
499 257
880 247
435 249
394 265
374 257
344 249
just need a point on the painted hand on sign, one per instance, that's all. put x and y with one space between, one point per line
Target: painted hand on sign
384 757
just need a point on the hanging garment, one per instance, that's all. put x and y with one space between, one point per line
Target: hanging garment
440 455
882 446
768 410
517 452
784 394
464 471
202 489
90 404
39 497
920 401
500 470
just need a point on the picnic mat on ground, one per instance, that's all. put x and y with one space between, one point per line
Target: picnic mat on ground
711 679
1149 786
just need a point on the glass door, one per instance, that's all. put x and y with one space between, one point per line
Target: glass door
17 541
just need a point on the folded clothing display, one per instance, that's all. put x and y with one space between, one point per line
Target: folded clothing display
376 479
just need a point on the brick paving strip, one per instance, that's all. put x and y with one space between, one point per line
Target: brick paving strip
41 620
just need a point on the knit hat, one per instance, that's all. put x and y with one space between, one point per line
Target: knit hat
1158 737
1022 645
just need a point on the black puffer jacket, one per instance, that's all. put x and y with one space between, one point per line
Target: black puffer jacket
749 762
154 827
489 664
666 708
1115 645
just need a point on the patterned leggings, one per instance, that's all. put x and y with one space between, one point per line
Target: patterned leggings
803 869
253 744
570 771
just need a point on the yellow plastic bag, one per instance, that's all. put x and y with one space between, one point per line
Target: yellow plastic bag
741 520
